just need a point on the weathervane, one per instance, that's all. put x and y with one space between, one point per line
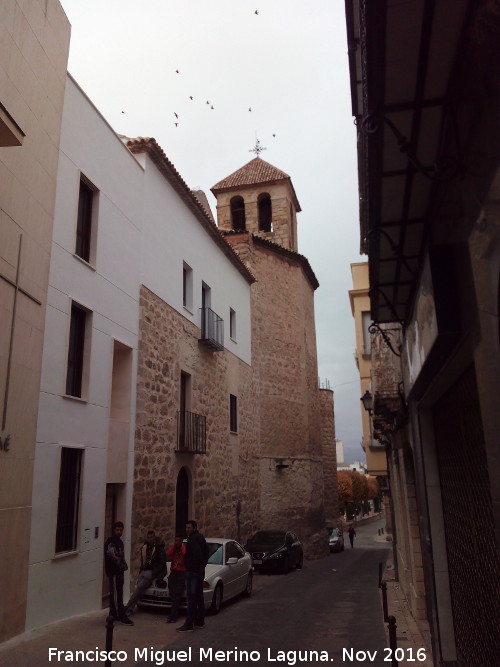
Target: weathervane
257 148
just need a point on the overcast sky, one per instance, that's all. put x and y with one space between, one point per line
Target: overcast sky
140 61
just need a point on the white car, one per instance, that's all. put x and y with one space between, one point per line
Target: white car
229 573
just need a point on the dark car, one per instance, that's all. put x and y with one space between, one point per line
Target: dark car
275 550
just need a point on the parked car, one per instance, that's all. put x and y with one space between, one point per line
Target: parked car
276 550
228 573
336 540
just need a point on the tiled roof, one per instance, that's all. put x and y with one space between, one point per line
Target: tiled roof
254 172
280 250
155 152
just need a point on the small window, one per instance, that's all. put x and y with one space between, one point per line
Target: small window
232 324
69 499
265 213
187 286
233 413
76 350
237 206
84 224
366 320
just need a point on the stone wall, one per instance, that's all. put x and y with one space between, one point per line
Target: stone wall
223 481
284 223
329 457
285 377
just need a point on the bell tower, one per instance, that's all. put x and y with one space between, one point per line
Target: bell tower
260 199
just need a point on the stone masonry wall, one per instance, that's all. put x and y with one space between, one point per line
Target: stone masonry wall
329 457
283 212
286 382
222 481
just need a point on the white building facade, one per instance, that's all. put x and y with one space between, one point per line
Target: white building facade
119 225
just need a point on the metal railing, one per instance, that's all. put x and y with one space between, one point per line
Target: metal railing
212 329
191 433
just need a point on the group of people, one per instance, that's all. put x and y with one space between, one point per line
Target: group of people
187 570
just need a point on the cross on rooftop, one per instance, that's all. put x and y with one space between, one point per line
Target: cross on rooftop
257 148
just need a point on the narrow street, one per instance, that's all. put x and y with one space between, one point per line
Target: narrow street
331 605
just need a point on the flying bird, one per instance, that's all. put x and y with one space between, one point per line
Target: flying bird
250 109
123 111
212 107
176 124
274 135
190 97
256 11
208 102
176 115
177 71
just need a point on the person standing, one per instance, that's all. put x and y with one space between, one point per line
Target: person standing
352 535
115 566
177 576
153 566
196 560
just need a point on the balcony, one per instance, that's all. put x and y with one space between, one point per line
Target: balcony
191 433
212 329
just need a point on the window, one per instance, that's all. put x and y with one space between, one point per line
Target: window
69 499
233 413
265 212
232 324
76 349
366 320
84 221
237 206
187 286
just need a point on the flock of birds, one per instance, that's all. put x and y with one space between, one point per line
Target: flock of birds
176 122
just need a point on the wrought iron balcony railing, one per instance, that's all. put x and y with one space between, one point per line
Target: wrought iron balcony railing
191 433
212 329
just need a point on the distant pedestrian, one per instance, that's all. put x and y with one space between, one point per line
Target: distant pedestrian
352 535
196 560
115 566
153 566
177 576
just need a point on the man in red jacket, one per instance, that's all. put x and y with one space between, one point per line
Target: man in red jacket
177 576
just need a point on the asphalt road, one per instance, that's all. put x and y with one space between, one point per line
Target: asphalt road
328 612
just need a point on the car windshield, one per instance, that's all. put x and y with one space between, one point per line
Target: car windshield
271 537
214 553
334 535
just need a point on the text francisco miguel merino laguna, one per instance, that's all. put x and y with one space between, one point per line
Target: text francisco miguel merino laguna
161 657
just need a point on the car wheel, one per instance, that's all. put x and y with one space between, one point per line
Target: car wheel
248 588
342 548
286 565
216 600
300 564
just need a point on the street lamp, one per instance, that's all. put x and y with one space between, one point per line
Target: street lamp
367 400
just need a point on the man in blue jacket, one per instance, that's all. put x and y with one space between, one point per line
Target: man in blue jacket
195 562
115 566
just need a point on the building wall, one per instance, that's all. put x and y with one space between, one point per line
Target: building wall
330 449
360 302
34 42
285 376
108 286
223 480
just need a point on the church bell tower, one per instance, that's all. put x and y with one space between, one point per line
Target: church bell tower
260 199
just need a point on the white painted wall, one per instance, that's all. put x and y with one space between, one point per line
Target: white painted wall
172 235
64 586
145 233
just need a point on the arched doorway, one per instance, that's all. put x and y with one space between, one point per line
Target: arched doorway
181 501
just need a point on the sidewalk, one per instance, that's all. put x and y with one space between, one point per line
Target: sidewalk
87 633
409 636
